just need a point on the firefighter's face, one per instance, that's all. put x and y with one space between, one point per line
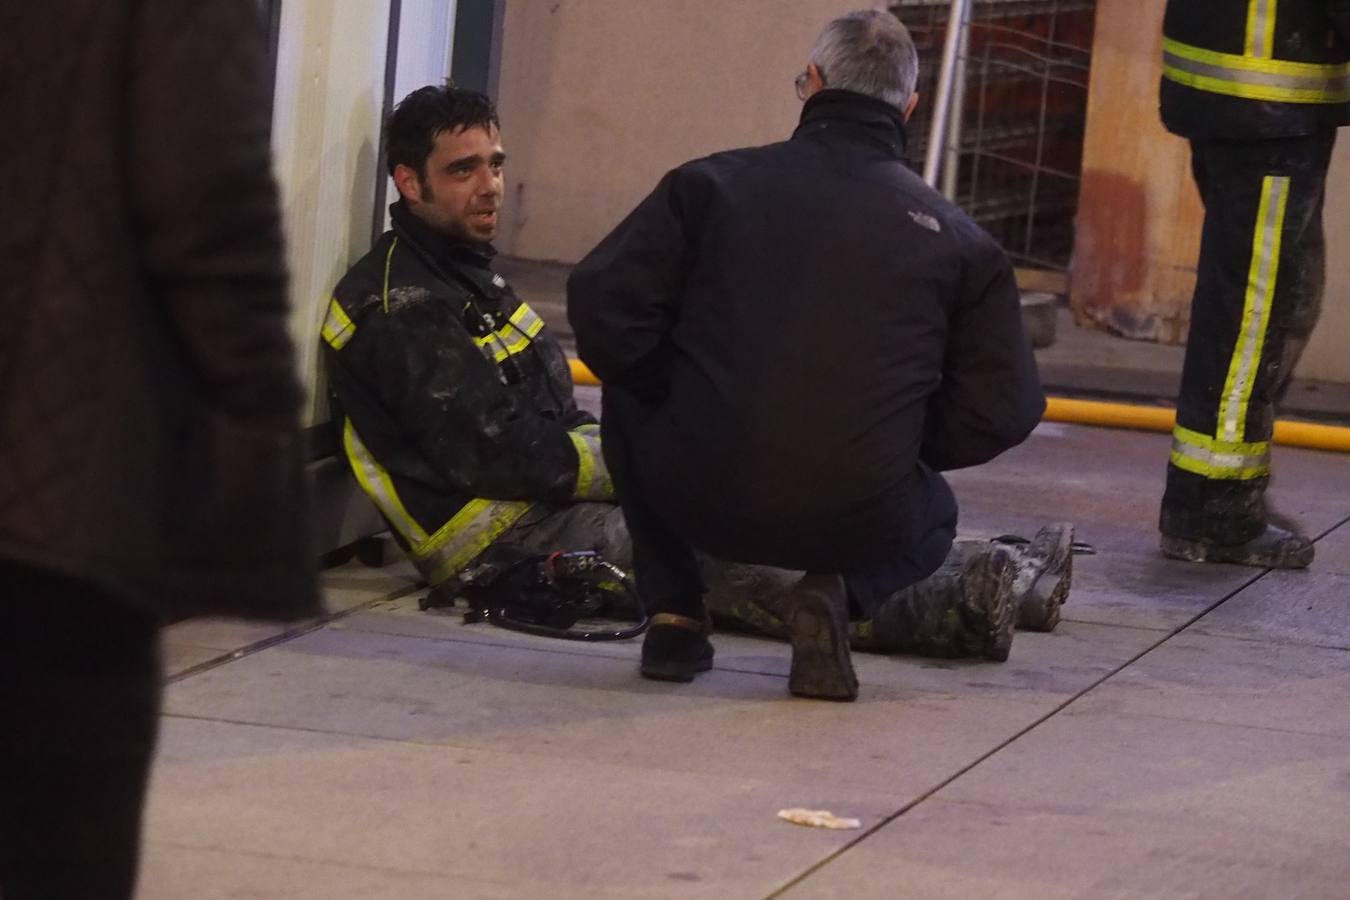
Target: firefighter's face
461 194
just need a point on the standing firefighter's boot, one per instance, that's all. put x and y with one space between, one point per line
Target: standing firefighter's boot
1274 548
965 608
815 616
1044 573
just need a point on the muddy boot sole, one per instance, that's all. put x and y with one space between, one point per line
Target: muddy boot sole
1039 609
816 615
993 574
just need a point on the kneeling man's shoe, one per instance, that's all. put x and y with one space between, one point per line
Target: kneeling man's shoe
1275 548
676 648
815 614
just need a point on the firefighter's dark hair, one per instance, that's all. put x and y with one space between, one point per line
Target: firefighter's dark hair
410 134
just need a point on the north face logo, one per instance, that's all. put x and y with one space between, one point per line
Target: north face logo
925 220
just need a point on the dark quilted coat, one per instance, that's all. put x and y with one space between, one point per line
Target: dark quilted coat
148 397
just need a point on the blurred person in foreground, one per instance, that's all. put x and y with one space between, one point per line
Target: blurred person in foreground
795 340
1259 89
148 403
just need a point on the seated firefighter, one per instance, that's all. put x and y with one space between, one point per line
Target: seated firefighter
794 341
454 400
458 418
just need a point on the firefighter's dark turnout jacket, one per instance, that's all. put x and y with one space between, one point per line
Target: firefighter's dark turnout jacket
1251 69
454 400
1259 88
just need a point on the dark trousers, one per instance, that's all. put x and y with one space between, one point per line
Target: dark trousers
79 695
666 567
1257 297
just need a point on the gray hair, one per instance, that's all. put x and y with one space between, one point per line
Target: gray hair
869 52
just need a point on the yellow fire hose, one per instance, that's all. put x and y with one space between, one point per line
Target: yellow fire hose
1138 418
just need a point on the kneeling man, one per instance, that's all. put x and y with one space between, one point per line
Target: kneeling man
795 340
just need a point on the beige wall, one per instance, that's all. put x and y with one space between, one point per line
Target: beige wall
1137 233
1326 357
599 98
325 127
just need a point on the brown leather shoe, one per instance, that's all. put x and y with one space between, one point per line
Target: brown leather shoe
676 648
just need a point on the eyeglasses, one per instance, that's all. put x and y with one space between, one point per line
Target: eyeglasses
801 82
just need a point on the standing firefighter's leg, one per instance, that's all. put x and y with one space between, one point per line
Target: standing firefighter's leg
1257 297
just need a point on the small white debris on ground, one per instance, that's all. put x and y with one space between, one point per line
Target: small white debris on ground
817 818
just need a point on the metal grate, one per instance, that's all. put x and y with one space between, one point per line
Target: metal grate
1016 141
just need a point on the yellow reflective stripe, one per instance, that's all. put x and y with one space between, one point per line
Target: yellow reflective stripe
1255 79
1211 458
1260 42
1207 468
455 544
1261 280
388 264
512 338
492 347
468 533
593 481
1247 64
338 327
375 481
527 321
515 346
1200 441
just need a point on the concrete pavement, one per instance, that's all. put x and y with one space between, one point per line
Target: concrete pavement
1182 734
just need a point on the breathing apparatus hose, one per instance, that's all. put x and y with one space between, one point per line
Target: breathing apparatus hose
544 595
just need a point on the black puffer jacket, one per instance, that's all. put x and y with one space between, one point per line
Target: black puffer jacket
811 321
148 398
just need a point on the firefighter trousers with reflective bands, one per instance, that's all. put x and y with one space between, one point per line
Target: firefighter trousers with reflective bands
1257 297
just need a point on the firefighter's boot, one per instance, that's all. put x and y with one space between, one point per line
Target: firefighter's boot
1274 548
744 597
966 608
1043 569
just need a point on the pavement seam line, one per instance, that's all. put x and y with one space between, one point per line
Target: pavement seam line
288 635
303 860
836 854
882 823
